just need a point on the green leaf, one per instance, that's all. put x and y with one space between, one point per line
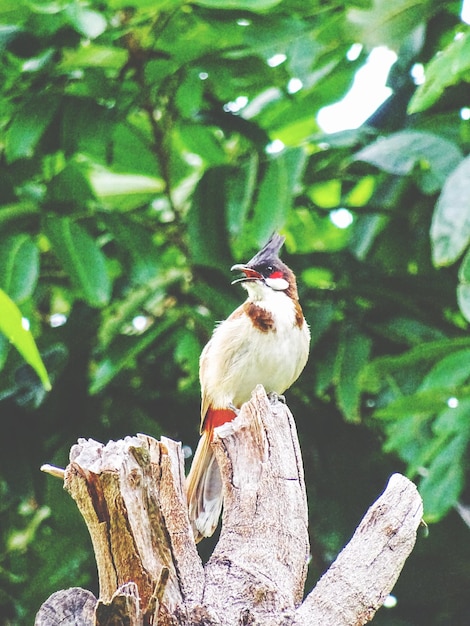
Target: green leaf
19 266
87 127
444 479
464 270
388 23
81 258
272 203
453 420
406 436
401 152
11 325
93 55
318 278
189 96
309 232
362 192
407 329
160 5
87 22
367 228
132 151
71 185
463 299
274 198
463 289
450 228
257 6
138 242
187 352
7 34
293 120
122 352
124 191
145 298
326 194
448 67
321 316
207 227
381 369
29 125
451 371
353 354
425 404
20 540
201 140
241 186
4 350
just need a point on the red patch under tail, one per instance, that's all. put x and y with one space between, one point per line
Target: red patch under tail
217 417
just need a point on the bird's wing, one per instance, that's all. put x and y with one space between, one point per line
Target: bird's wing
205 399
218 353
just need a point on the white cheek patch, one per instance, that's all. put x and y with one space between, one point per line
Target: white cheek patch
278 284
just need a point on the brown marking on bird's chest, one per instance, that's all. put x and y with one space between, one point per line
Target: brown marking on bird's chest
299 316
260 317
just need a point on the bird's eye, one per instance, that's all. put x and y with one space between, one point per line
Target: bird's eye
269 269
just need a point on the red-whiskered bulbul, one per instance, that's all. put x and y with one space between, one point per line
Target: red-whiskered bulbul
264 341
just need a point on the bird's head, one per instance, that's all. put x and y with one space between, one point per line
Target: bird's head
266 270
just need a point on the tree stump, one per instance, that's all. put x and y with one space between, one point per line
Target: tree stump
132 497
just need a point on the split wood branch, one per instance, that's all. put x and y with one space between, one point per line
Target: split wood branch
68 606
262 553
365 572
131 494
132 498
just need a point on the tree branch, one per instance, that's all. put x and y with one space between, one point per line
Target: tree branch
130 493
364 573
262 552
132 497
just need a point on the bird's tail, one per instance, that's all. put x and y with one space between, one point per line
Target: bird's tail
204 488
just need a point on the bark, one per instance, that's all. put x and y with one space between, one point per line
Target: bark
262 553
366 570
131 495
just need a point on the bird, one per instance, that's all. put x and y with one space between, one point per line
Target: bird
264 341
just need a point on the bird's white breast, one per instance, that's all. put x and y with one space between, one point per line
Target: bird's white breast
240 355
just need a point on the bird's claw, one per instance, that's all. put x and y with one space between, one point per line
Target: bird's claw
274 397
233 408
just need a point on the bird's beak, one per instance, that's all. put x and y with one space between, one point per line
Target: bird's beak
250 274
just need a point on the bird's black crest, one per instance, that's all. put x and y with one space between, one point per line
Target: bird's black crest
269 252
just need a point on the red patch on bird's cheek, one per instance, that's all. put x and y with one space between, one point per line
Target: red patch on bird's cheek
277 274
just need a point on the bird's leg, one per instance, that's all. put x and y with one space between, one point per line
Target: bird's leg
233 408
274 397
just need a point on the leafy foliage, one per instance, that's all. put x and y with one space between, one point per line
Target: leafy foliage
145 147
12 326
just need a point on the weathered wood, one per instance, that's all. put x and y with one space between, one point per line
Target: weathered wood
69 607
122 610
364 573
132 497
260 560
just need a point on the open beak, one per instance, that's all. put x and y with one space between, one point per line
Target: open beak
250 274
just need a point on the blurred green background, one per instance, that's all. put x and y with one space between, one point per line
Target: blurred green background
147 146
